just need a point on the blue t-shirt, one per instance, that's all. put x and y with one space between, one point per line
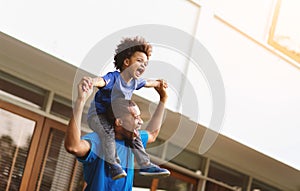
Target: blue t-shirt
95 169
115 87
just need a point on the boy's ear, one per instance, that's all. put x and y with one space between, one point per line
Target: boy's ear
126 62
118 122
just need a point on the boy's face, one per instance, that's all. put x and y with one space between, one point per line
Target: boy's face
136 64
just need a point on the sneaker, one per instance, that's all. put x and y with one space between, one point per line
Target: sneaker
153 170
117 171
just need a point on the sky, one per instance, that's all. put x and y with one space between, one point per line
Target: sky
70 29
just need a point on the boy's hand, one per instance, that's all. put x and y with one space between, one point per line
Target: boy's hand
162 83
86 83
161 90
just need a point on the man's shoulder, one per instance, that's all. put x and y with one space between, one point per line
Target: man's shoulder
91 137
94 138
144 136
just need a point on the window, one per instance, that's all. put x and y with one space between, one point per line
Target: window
61 107
22 91
175 182
228 176
156 148
15 139
185 158
284 34
260 186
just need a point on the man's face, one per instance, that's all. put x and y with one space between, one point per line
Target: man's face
137 64
131 122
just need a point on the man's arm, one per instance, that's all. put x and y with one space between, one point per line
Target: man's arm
155 122
73 143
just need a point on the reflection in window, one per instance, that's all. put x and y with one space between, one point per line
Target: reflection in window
15 138
284 34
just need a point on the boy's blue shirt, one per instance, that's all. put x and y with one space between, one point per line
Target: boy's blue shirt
95 169
121 89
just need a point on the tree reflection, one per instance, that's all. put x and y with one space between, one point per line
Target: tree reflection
7 149
12 162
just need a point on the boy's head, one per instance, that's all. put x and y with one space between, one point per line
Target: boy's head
128 48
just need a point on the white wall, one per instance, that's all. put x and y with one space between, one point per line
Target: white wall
262 94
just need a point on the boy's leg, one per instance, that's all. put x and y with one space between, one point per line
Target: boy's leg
105 131
146 167
139 151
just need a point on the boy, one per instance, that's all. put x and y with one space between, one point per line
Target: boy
131 58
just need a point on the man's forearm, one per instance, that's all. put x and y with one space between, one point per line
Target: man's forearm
72 139
156 120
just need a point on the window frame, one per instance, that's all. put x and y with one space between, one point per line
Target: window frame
271 41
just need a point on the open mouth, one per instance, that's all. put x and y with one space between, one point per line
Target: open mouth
139 72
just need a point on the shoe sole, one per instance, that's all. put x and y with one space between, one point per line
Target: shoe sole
119 176
159 174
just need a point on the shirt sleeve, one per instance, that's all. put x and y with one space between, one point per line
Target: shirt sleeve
110 77
144 137
140 83
92 155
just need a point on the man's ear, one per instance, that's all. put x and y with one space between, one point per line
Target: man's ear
118 122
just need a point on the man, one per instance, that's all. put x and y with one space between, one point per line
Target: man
126 125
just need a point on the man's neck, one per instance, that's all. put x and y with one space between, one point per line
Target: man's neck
118 134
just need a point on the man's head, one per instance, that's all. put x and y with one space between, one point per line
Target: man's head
132 54
125 114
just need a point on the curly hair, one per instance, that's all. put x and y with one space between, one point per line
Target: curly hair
127 47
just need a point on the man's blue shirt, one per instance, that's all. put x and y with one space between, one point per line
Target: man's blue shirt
95 169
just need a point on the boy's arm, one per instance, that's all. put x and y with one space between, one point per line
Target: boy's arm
155 122
152 84
98 82
73 143
88 81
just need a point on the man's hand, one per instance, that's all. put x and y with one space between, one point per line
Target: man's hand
85 88
161 90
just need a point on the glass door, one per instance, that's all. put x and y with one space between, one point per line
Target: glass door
32 155
19 135
55 168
